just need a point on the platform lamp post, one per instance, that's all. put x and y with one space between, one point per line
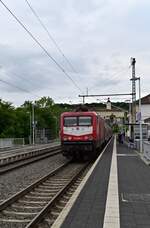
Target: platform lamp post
56 125
129 116
140 120
33 125
139 113
30 127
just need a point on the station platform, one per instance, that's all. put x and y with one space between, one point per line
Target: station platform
114 194
134 189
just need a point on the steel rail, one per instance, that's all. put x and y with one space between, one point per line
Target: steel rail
58 183
15 197
53 201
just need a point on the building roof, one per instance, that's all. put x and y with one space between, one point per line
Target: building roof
113 109
145 100
147 120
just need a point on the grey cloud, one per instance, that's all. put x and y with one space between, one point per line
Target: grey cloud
97 38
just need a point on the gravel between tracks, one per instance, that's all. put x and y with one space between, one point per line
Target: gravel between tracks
16 180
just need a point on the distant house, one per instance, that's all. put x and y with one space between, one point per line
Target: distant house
107 111
112 112
147 120
145 108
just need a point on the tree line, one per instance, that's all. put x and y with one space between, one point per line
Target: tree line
15 122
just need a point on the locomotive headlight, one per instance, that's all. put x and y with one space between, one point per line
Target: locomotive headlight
65 138
91 137
86 137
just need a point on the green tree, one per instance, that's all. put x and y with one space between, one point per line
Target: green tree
7 119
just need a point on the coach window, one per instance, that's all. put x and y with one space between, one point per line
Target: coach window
85 121
70 121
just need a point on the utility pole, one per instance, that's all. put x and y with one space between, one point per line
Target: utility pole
83 99
87 91
133 109
133 61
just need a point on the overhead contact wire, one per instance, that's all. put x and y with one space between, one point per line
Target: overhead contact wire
10 84
50 36
40 45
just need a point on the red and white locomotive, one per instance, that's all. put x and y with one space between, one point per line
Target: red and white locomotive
82 134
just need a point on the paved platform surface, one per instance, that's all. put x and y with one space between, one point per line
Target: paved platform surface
96 205
134 189
89 208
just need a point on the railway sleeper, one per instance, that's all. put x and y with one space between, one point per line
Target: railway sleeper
72 189
55 212
39 193
25 202
11 212
52 185
9 223
60 179
40 189
68 194
38 197
64 201
17 215
65 197
60 203
59 207
56 182
47 186
18 207
46 223
50 189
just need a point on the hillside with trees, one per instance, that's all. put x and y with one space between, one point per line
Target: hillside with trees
15 122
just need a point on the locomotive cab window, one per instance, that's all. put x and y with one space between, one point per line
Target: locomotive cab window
70 121
85 121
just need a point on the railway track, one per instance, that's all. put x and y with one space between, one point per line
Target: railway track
39 204
24 153
27 158
26 148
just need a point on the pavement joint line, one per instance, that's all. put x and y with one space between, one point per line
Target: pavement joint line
112 201
122 199
127 155
62 216
142 157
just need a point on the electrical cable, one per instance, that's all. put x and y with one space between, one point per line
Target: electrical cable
12 85
50 36
40 45
115 74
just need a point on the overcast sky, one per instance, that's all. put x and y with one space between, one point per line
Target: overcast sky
98 37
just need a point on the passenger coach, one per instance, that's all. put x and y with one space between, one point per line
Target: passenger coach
82 133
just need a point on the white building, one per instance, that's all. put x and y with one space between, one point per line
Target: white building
145 108
112 111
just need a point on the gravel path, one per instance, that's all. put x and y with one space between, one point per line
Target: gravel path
14 181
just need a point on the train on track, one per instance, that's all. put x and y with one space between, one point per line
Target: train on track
83 134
